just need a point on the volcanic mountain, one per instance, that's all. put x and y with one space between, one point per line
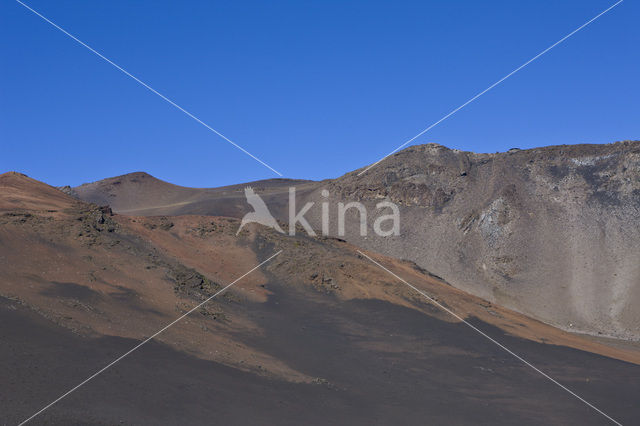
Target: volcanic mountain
318 335
550 232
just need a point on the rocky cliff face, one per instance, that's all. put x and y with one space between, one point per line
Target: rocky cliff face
552 232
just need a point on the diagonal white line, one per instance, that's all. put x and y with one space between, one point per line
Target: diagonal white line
500 345
153 90
492 86
146 340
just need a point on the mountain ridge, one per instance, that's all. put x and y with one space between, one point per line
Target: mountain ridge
537 230
81 285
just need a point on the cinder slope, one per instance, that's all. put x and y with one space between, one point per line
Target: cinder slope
551 232
20 192
320 335
99 275
143 195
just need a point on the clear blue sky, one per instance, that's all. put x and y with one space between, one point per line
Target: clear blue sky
315 89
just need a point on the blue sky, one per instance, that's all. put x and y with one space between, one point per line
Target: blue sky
315 89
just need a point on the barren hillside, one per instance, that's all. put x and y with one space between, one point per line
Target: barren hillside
320 332
550 232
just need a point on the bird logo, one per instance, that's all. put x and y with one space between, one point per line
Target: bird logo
260 213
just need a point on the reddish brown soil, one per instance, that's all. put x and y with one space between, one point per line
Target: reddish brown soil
319 335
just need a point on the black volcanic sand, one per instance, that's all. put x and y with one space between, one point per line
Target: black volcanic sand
395 365
376 363
154 385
